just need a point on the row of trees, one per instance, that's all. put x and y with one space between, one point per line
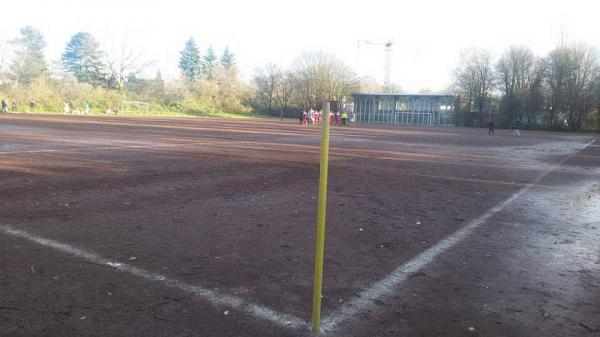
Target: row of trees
559 90
82 59
212 82
195 67
86 73
26 75
313 78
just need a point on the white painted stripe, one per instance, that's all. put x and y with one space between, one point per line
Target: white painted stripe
213 297
35 151
390 283
114 147
123 147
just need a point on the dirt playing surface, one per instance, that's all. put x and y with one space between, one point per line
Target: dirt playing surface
230 206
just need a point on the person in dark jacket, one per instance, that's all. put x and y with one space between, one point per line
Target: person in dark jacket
491 125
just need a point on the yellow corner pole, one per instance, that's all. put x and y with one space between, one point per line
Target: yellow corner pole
320 232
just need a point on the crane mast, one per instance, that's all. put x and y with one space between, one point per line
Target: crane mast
387 61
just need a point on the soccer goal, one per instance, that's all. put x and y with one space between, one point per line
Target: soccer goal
133 106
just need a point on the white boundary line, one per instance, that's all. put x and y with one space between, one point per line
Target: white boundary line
390 283
124 147
214 298
114 147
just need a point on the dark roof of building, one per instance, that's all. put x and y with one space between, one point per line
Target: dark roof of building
399 94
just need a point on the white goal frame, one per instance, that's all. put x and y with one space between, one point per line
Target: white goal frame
145 105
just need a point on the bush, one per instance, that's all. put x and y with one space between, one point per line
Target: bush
221 96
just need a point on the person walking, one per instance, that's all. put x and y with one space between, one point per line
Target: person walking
4 106
491 126
344 118
66 108
14 106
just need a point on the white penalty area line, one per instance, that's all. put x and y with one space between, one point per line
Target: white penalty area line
215 298
384 287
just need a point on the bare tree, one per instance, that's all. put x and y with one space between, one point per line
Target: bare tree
4 61
267 81
369 84
473 80
580 83
569 72
483 66
126 62
535 98
342 80
556 72
284 91
321 76
307 72
515 73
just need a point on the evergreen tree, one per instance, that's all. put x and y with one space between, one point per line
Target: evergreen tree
227 60
83 59
29 61
209 62
189 61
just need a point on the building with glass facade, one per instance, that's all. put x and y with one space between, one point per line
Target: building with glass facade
420 109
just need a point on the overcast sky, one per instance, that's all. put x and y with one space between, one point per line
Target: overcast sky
427 35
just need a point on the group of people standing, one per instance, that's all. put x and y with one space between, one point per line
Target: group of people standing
67 109
5 106
32 106
315 118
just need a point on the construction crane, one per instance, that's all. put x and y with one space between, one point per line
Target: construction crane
388 60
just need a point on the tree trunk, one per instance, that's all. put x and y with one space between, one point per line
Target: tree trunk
270 105
598 119
579 122
469 109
